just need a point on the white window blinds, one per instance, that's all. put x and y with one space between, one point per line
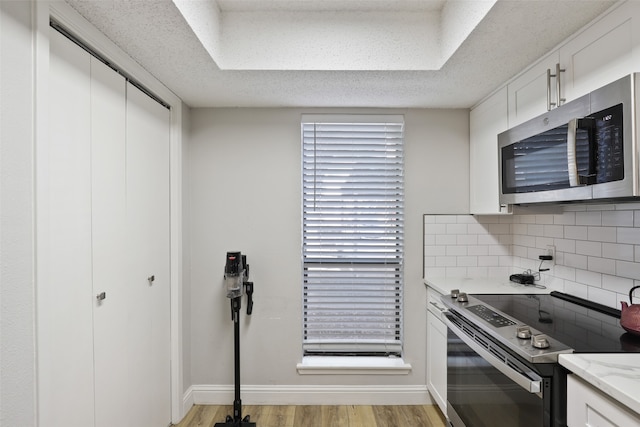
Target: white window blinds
353 208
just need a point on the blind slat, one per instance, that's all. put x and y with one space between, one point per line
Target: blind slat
353 228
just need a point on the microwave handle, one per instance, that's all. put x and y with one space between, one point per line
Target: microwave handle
572 161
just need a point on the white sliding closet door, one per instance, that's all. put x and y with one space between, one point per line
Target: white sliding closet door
114 397
64 293
103 229
148 130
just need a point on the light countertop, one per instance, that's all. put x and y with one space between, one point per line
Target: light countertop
483 285
615 374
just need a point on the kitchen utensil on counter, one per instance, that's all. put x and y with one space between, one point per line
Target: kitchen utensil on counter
630 316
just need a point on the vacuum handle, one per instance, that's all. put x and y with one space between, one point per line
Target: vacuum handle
249 290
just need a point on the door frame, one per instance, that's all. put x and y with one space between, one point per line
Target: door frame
63 13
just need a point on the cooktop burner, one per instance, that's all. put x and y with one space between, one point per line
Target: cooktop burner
585 329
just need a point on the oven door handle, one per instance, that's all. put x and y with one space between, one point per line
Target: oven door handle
526 383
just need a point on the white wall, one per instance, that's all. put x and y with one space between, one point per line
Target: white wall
243 178
17 294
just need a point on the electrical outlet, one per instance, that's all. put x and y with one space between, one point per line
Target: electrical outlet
551 251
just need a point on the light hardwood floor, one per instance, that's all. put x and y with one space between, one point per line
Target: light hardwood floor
321 416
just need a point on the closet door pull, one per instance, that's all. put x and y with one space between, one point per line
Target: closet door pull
101 296
151 279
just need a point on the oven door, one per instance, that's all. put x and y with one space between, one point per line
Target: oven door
487 387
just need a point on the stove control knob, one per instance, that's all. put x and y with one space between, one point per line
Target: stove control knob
540 341
462 297
455 293
523 332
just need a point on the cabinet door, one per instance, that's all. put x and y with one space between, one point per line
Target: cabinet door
64 290
528 92
587 406
602 53
486 121
108 218
147 170
437 360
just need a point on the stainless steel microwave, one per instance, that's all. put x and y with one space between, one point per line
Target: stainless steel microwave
584 150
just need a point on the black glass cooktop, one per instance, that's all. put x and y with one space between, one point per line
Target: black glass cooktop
586 329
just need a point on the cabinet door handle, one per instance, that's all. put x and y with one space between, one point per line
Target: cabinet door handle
151 279
559 100
549 103
101 296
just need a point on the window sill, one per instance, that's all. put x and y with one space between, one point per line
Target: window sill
335 365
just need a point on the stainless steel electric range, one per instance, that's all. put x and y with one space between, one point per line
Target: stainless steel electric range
502 355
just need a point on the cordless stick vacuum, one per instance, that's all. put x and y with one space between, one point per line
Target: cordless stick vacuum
236 277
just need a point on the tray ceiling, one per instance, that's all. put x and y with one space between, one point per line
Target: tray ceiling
328 53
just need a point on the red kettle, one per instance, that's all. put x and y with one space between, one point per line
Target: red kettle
630 317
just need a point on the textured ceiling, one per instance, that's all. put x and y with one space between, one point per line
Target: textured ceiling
188 57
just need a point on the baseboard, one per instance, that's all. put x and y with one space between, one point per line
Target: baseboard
203 394
187 401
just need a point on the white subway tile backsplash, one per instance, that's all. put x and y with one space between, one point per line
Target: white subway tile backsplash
553 231
575 261
446 219
602 265
456 250
477 229
576 232
589 218
542 243
435 250
456 228
467 239
544 219
446 261
576 289
526 219
564 245
500 229
589 278
597 247
566 218
617 219
488 261
478 250
446 239
524 240
601 234
618 251
519 228
602 296
488 239
628 235
617 284
535 230
628 269
467 261
584 247
436 229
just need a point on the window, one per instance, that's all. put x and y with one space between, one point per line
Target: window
353 216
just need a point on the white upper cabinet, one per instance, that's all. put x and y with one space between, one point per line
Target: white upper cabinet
531 92
486 121
601 53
